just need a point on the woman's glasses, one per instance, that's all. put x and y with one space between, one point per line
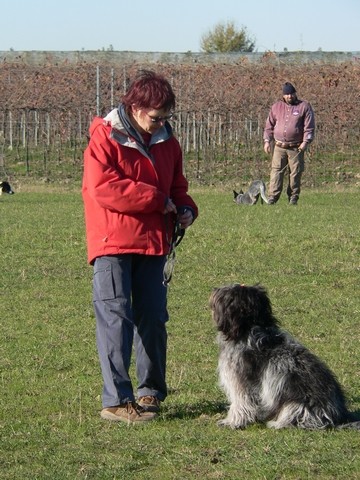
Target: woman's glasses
160 119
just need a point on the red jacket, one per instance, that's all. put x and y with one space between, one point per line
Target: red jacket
125 189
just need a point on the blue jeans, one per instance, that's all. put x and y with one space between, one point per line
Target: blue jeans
130 303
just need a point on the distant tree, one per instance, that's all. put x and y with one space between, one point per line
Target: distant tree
226 37
110 48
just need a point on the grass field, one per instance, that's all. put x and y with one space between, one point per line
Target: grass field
308 258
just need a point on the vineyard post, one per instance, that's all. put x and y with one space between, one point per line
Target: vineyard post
97 90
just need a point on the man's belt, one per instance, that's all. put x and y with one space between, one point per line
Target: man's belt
287 144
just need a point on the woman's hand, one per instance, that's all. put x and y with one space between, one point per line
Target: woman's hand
186 218
170 207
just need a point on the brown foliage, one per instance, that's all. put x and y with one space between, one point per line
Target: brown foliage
247 89
220 114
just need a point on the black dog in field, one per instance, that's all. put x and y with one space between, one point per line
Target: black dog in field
5 187
266 374
256 189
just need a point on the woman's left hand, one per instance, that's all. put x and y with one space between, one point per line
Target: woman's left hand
186 219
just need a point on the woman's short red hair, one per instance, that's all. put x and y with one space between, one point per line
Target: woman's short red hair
150 90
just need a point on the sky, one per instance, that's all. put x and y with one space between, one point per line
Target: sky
177 26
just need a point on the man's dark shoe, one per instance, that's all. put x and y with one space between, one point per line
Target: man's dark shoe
271 201
293 201
129 412
149 403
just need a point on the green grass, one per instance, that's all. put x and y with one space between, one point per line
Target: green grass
63 163
308 258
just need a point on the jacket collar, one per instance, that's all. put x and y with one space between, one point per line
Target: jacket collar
120 123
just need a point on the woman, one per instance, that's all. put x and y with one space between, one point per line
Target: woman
134 191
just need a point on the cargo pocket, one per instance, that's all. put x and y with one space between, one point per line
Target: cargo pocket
103 283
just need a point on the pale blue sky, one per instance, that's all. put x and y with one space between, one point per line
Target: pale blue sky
177 26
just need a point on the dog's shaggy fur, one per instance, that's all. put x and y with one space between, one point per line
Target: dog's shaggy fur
266 374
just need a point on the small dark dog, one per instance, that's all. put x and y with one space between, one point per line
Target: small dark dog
256 189
6 188
266 374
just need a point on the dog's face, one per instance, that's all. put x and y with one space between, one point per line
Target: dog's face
6 188
236 309
237 195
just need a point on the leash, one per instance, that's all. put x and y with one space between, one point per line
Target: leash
177 236
287 165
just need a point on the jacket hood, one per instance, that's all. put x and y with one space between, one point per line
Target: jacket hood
113 119
125 134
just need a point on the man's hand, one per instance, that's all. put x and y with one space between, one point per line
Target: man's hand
267 147
303 147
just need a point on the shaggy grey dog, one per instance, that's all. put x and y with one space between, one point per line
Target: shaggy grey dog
266 374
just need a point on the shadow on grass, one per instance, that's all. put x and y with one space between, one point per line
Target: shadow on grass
193 410
216 409
355 415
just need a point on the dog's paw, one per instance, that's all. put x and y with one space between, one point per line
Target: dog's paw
227 423
222 423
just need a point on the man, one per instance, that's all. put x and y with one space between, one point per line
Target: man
290 125
134 194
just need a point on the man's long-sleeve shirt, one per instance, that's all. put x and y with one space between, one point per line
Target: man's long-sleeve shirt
290 123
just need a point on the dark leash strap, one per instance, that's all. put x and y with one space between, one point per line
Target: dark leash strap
287 165
177 236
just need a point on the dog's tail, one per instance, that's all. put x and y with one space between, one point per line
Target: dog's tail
352 425
351 421
262 192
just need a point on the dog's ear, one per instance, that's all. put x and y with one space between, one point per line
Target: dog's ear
226 307
260 307
235 194
237 309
